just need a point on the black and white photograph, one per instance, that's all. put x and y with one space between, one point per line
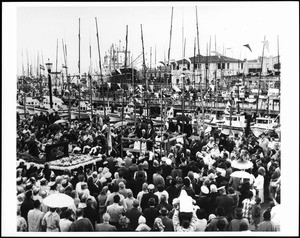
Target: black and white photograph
133 118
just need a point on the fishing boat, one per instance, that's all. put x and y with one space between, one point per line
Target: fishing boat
238 124
264 125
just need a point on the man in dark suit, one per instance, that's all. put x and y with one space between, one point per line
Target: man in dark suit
225 201
168 222
147 196
81 224
151 213
133 214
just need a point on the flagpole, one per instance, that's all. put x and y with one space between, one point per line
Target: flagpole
262 60
90 77
278 67
169 50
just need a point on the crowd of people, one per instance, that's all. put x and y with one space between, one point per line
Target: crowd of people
187 187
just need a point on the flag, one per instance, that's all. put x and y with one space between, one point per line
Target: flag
217 53
65 67
248 46
42 67
119 85
266 44
109 85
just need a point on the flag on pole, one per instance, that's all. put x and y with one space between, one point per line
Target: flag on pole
42 67
248 46
119 85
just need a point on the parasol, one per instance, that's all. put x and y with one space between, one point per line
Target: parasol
58 200
241 174
61 121
238 164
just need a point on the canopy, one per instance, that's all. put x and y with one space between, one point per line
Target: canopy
241 174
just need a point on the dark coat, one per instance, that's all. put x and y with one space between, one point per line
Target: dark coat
150 214
83 224
145 200
133 215
168 223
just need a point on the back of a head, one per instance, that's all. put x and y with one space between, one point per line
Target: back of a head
221 225
249 194
106 217
186 224
160 187
151 202
200 213
116 198
145 186
220 211
163 198
135 203
243 226
238 213
186 182
36 203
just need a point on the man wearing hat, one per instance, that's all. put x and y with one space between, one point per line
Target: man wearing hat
203 200
147 196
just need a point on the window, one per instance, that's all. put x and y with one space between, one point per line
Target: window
223 65
227 65
219 66
242 65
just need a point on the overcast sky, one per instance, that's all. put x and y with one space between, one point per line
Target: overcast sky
39 26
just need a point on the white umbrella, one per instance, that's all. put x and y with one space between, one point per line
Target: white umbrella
61 121
241 174
241 164
58 200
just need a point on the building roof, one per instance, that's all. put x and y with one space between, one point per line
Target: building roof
211 59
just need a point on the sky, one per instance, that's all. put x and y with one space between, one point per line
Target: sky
35 28
228 25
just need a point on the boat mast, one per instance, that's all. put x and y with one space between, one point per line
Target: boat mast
278 68
100 68
79 77
126 38
56 65
194 65
262 60
68 78
169 50
90 77
199 58
144 67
